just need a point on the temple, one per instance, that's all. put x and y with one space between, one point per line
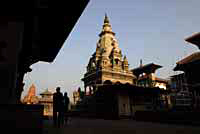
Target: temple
111 89
146 76
47 101
107 64
190 66
31 97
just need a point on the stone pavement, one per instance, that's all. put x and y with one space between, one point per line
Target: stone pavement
100 126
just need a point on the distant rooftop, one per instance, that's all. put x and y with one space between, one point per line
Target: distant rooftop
46 92
151 67
190 61
193 57
161 80
194 39
177 75
156 79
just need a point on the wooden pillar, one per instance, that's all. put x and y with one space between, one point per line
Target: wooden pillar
85 87
90 90
11 35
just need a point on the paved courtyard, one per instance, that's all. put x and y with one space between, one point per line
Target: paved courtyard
100 126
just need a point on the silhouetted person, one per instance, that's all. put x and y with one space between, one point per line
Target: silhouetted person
57 107
66 107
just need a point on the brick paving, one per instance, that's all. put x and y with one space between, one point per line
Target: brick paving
100 126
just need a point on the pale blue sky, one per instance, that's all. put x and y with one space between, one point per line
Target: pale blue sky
152 30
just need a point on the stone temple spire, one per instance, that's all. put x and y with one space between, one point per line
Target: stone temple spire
107 63
106 20
31 97
106 27
32 91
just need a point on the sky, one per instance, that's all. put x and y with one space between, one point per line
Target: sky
151 30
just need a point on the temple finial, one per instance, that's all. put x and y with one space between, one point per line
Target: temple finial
141 63
106 20
106 27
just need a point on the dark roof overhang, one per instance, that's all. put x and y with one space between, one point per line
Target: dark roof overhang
191 66
188 62
194 39
47 24
148 68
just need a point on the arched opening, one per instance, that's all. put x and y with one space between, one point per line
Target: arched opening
118 83
117 61
107 82
128 84
25 49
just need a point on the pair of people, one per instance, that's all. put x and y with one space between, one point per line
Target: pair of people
60 107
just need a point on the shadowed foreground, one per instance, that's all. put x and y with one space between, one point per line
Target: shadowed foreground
100 126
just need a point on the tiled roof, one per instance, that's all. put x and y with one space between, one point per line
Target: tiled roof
144 68
177 75
46 92
194 39
156 78
193 57
148 65
160 79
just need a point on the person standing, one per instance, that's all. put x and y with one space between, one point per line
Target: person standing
57 107
66 107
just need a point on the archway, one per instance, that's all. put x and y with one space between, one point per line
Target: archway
118 83
107 82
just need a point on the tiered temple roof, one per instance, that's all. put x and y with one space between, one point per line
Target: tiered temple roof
47 96
148 68
192 60
194 39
